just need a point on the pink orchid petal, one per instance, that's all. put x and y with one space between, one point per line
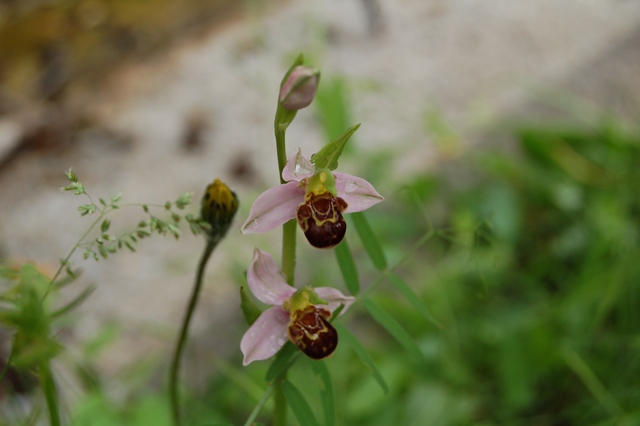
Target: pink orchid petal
298 167
265 280
266 336
273 208
335 298
357 192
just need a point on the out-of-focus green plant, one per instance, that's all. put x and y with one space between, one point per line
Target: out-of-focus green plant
27 308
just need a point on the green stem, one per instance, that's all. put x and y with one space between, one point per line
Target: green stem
281 149
289 250
288 246
182 338
289 228
50 393
65 261
280 410
259 406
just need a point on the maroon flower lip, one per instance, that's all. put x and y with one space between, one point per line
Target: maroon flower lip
320 218
311 331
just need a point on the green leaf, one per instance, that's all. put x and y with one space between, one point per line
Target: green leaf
184 200
70 174
328 156
129 245
393 327
74 303
348 268
298 404
361 352
413 298
104 226
327 396
281 362
369 241
86 209
249 309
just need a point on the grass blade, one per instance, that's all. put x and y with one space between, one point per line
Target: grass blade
369 241
327 396
362 353
393 327
298 404
413 298
281 362
348 268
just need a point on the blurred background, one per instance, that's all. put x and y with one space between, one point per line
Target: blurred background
509 129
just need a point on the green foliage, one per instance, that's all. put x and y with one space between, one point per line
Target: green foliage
298 404
369 240
534 289
328 156
347 267
106 244
249 309
25 312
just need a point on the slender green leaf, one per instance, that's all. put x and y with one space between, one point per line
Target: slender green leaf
393 327
75 302
281 362
348 268
327 396
413 298
362 353
328 156
249 309
369 241
298 404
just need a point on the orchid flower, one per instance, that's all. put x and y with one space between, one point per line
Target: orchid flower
301 315
317 198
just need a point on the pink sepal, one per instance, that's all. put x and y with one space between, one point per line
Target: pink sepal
273 208
265 280
266 336
357 192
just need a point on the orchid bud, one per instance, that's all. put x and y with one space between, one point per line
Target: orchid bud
219 206
299 89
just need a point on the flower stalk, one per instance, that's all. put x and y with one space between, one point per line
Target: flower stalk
219 206
50 393
184 330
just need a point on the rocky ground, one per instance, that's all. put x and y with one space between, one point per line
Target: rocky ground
204 109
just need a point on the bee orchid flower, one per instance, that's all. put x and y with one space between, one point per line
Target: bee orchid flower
301 315
316 198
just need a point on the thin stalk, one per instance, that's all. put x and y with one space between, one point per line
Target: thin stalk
50 393
65 261
182 338
280 409
259 406
289 228
288 251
